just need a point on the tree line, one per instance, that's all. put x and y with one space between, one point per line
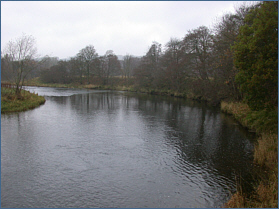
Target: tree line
236 59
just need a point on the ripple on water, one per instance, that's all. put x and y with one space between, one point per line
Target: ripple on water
104 149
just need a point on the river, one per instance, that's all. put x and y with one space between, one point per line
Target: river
92 148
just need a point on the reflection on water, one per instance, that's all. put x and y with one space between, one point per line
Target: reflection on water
115 149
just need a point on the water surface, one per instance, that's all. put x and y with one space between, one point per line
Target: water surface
87 148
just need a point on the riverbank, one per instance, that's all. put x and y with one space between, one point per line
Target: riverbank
265 124
131 88
10 102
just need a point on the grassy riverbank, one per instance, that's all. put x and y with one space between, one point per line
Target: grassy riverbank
265 124
10 102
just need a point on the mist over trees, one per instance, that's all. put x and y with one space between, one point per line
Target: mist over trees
235 59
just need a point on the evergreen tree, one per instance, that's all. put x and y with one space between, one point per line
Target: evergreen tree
256 56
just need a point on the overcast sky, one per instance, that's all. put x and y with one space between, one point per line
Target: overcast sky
62 28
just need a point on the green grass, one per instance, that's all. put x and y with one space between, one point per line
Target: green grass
10 102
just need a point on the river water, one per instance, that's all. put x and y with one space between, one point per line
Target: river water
89 148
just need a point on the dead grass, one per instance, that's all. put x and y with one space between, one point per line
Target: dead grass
238 110
236 201
267 195
266 150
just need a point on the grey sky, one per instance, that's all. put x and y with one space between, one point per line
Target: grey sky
62 28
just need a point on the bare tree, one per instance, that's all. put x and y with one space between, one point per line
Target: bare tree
88 56
147 72
154 53
173 61
127 66
199 42
109 66
77 67
20 56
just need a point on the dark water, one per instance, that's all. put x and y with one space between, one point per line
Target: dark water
117 149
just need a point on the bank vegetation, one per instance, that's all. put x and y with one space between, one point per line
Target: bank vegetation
17 102
265 124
